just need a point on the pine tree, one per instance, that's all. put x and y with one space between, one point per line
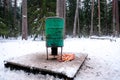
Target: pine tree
75 18
87 17
99 18
109 18
24 20
15 9
61 11
38 10
92 14
103 10
70 13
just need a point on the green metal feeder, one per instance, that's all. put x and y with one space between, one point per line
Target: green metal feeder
54 31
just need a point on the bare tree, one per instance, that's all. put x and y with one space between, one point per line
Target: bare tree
24 19
92 13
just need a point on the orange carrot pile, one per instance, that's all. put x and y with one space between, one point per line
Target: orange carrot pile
66 57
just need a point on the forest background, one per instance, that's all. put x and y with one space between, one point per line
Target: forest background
39 10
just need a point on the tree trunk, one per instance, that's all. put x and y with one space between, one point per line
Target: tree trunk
99 22
117 17
64 2
6 8
15 6
75 18
61 11
24 19
57 7
106 26
113 6
78 31
92 13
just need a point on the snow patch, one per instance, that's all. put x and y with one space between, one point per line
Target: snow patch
102 63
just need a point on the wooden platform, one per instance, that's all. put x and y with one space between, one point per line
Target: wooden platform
37 63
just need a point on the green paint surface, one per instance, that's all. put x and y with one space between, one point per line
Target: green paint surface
54 30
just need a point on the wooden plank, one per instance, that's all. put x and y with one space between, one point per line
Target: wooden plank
37 63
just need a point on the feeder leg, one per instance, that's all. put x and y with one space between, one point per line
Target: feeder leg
61 53
47 52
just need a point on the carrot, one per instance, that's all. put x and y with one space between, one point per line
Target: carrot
66 57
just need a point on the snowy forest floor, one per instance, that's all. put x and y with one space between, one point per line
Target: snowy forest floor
102 63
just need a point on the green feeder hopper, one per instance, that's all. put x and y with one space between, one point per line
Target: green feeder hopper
54 31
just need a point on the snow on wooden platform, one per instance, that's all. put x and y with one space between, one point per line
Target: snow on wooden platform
37 63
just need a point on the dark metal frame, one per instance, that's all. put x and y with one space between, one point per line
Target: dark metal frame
47 52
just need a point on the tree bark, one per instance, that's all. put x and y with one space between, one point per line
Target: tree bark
24 20
117 17
92 13
75 18
6 8
61 11
106 22
57 7
78 31
64 17
113 6
15 6
99 22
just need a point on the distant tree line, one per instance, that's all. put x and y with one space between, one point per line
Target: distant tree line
9 18
84 24
38 10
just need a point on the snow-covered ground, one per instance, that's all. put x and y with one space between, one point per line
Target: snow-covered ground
102 63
